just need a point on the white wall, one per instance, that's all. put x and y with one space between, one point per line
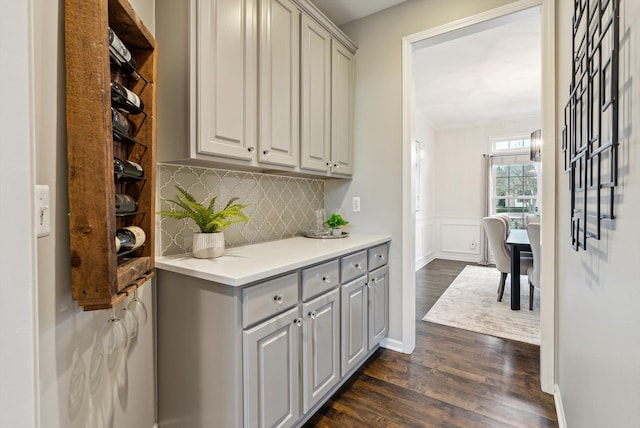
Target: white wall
125 396
378 125
426 187
18 357
459 195
598 344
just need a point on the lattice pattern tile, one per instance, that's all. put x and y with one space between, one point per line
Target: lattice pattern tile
279 207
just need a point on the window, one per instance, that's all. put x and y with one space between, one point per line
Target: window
514 180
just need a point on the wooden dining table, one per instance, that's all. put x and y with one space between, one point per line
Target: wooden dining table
518 240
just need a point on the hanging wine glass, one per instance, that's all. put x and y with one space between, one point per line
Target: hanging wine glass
138 308
130 322
113 334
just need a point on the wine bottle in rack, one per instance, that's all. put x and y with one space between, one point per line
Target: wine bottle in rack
125 169
122 127
121 56
125 100
129 238
125 204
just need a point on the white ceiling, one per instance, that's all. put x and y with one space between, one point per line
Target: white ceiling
343 11
479 74
492 73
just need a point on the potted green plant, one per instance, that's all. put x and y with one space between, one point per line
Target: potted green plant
335 223
209 242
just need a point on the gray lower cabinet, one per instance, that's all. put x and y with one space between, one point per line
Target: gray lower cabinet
320 347
378 290
267 354
271 375
354 323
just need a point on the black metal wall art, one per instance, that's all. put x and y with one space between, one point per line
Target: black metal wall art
590 131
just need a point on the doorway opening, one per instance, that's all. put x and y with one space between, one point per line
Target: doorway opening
443 231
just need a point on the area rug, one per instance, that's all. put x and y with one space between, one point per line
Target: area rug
470 303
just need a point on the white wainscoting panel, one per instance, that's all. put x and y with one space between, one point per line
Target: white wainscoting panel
459 239
425 242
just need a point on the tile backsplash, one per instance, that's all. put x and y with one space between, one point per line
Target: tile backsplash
279 207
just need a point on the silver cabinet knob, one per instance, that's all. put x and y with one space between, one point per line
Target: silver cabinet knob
368 284
312 314
326 279
358 266
265 152
277 298
380 256
336 165
298 322
251 149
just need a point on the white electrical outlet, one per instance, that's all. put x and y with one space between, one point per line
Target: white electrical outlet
473 245
356 204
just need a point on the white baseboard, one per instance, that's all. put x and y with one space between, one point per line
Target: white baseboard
392 344
461 257
557 398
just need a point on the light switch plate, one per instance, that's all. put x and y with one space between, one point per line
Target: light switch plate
356 204
42 211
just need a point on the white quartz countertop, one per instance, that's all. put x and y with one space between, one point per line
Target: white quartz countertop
246 264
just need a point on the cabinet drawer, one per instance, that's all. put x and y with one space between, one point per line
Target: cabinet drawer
353 266
318 279
269 298
378 256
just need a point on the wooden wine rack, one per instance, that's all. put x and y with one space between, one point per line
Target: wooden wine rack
100 278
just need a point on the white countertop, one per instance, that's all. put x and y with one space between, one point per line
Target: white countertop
243 265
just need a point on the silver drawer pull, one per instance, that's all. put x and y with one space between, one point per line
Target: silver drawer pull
277 298
326 279
298 322
312 314
329 164
358 266
368 283
380 256
251 149
265 152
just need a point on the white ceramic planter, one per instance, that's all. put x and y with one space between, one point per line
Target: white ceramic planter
208 245
336 232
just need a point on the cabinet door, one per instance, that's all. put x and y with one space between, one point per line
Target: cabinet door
279 122
320 347
271 372
315 98
378 305
354 323
227 66
341 109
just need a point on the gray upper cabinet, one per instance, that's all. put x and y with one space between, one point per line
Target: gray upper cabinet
341 109
226 123
316 96
326 102
254 84
279 112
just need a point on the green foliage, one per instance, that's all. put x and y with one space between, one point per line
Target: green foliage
205 217
335 221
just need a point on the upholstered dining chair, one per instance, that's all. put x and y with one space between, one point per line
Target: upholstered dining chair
496 230
532 218
533 230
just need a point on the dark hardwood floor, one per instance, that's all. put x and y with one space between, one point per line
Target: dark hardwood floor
454 378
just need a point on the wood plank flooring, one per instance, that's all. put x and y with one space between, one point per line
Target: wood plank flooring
454 378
